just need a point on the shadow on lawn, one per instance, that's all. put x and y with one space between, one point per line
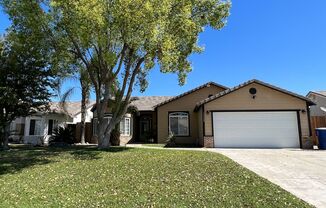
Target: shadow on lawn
92 153
20 157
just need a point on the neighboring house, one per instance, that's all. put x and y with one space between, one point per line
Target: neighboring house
252 115
319 97
37 128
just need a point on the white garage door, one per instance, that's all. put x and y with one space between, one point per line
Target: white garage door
256 129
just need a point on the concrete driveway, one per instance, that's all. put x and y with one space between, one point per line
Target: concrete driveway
301 172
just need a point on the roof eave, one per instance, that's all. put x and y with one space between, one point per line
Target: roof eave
189 92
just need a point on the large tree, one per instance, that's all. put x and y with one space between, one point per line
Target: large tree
25 81
119 41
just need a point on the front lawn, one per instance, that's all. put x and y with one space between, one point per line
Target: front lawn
126 177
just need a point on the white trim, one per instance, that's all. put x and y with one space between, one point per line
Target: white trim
179 115
265 129
126 126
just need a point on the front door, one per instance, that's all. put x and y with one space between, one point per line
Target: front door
145 133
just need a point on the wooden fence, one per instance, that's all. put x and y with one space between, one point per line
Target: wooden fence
88 132
316 122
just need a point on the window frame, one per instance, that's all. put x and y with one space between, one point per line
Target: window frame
129 122
169 129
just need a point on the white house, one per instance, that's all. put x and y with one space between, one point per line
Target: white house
38 128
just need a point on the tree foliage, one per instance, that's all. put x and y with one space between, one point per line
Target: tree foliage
25 80
119 41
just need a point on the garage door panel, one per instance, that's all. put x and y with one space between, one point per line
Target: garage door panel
256 129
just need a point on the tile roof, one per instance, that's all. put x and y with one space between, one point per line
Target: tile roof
228 91
70 108
191 91
148 103
144 103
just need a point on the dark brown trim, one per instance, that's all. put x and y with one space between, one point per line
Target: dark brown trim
202 137
281 110
299 128
212 124
169 112
203 120
156 111
189 92
309 121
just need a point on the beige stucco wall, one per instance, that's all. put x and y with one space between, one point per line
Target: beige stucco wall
266 99
185 103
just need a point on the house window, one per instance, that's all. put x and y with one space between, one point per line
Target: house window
125 127
35 127
53 124
179 123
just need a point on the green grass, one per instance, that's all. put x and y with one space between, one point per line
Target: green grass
126 177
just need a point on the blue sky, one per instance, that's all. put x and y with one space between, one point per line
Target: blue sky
282 42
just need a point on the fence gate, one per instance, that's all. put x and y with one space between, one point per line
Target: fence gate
317 122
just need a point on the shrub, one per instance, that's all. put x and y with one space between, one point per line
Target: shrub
171 140
62 135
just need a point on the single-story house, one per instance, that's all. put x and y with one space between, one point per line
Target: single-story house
318 97
38 128
252 115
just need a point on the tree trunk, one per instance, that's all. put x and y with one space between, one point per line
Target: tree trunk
4 131
2 136
83 113
115 136
103 140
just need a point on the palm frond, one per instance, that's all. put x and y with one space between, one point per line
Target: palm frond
64 99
